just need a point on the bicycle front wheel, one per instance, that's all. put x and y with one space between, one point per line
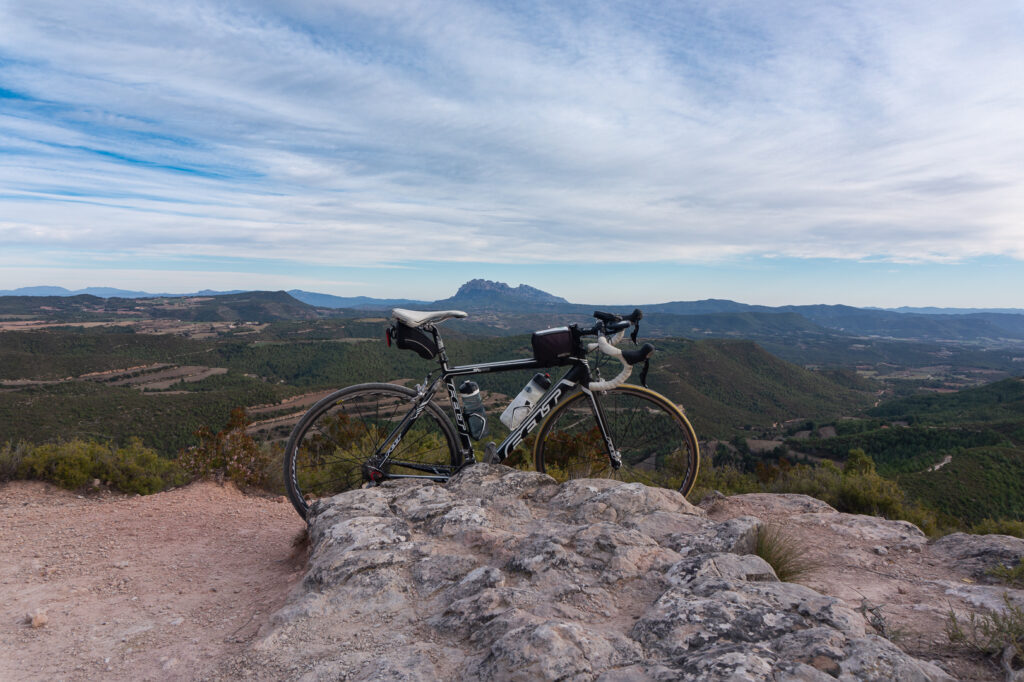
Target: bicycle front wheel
328 447
655 440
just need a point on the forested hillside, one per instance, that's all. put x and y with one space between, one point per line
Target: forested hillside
960 453
726 387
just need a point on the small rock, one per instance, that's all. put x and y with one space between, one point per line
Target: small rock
710 499
37 618
881 551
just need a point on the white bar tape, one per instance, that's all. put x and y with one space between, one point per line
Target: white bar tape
612 383
609 349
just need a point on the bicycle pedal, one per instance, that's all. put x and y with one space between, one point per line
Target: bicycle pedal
490 454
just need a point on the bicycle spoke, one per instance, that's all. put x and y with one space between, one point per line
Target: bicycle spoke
376 444
652 439
412 445
328 448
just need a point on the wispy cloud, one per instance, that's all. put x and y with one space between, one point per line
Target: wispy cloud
360 133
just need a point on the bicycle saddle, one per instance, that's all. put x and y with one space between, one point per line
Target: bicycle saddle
415 318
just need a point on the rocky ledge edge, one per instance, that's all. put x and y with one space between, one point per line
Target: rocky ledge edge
507 575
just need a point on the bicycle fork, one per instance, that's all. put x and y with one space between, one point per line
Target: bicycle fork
614 456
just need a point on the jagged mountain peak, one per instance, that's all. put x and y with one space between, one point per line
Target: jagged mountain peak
485 288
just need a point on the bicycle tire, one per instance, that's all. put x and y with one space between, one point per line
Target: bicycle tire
654 437
328 447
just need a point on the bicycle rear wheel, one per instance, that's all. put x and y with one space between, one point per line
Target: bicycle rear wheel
657 444
328 447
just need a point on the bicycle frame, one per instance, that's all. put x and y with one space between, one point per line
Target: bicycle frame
577 376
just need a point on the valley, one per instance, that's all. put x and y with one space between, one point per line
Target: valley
766 390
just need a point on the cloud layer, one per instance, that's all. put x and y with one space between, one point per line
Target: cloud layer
356 133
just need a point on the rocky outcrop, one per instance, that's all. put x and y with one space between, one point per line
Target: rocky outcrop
979 554
506 575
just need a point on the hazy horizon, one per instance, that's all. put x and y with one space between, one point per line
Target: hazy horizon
209 290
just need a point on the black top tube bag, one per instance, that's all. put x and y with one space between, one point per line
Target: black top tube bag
411 338
553 346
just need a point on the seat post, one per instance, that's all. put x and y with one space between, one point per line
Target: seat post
441 354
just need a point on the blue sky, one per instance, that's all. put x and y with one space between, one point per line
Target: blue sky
868 153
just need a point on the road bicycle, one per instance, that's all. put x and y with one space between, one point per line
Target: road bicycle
585 426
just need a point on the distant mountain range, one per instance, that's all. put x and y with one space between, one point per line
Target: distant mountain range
498 307
474 294
487 293
106 292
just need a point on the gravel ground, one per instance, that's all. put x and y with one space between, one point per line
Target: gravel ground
162 587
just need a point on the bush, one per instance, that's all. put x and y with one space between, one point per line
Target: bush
862 491
138 469
993 633
71 465
858 463
856 489
1010 575
230 453
76 463
726 479
816 481
11 456
868 494
999 527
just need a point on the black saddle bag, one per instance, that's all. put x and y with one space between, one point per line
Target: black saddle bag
411 338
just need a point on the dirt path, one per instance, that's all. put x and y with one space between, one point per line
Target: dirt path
161 587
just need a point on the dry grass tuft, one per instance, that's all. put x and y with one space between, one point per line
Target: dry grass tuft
784 552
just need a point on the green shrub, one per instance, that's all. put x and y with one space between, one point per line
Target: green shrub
993 633
858 463
858 488
272 458
138 469
999 527
869 494
76 463
72 464
1010 575
819 481
862 491
726 479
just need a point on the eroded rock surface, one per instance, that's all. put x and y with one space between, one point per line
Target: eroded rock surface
506 575
979 554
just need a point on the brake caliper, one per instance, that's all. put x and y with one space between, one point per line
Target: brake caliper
372 474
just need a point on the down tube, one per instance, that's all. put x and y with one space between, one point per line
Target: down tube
553 397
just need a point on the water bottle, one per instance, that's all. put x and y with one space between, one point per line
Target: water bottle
473 409
517 410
